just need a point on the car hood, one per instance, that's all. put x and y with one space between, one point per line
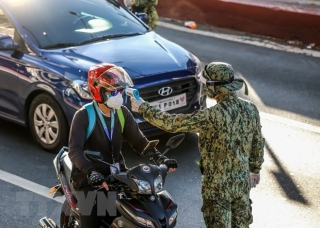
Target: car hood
141 55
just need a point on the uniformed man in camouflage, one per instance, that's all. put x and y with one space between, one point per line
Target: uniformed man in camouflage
147 6
230 143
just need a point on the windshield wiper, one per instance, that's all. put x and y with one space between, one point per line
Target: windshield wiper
110 37
60 45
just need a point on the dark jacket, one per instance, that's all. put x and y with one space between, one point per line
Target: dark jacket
98 141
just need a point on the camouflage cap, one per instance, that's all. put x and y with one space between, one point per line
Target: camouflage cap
219 71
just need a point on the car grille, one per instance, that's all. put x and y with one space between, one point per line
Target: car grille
186 85
150 94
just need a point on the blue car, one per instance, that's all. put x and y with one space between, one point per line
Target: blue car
47 47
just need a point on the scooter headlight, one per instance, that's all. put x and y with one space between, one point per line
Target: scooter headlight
158 184
144 186
199 65
142 221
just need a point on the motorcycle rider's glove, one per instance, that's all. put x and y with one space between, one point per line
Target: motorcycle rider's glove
157 157
160 159
95 179
254 179
170 163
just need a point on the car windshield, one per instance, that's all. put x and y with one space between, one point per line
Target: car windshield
62 23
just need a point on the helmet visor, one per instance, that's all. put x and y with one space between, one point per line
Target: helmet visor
116 92
115 78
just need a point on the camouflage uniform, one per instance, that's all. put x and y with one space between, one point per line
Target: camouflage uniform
147 6
231 146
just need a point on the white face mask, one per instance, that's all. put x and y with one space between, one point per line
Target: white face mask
115 102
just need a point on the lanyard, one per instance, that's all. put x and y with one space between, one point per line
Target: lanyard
104 123
109 136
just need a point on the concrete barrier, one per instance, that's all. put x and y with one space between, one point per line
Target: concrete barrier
285 21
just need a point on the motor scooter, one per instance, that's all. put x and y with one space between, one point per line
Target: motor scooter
140 199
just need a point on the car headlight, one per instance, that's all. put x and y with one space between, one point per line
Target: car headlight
173 217
144 186
81 87
142 221
158 183
199 65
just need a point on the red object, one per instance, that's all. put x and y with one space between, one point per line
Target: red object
190 24
94 73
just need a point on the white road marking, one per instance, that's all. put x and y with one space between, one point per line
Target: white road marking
242 39
281 120
293 123
28 185
254 97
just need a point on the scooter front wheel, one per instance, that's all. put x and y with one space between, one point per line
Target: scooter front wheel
65 216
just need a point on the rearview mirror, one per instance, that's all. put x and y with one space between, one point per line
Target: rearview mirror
93 156
6 43
174 141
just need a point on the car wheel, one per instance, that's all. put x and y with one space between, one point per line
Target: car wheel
47 123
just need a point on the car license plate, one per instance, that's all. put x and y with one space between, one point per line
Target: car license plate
171 102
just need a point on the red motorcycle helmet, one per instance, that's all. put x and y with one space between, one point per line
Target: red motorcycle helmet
106 77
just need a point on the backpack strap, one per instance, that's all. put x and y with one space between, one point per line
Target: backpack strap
92 118
121 118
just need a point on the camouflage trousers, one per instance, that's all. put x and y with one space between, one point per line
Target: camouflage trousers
224 214
153 19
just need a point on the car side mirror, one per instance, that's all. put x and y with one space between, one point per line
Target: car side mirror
7 43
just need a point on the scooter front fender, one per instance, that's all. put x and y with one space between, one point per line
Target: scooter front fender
157 209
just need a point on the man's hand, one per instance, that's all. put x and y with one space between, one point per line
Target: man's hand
135 104
254 179
96 180
172 164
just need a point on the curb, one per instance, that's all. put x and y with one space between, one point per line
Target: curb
241 39
280 21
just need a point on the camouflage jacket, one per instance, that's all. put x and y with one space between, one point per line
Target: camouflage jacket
145 3
230 142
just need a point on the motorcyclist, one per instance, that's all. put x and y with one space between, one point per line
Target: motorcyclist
106 83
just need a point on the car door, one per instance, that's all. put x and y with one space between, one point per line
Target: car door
9 71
